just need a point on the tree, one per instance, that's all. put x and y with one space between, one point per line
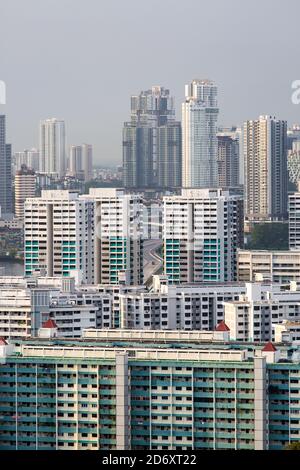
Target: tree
269 236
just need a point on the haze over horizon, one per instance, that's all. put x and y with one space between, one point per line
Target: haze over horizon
81 62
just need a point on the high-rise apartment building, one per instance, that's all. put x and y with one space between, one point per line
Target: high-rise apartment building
228 157
202 230
75 162
152 142
81 162
5 171
25 185
105 392
59 234
199 135
87 161
265 164
52 148
30 158
294 220
118 241
99 236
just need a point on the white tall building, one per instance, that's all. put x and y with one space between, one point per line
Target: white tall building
30 158
81 162
265 165
294 220
59 234
202 230
87 161
97 238
199 141
25 183
75 161
52 147
118 244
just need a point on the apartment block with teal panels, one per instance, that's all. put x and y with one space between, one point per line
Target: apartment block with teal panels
120 394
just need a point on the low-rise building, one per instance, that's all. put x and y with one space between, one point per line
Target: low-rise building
274 266
251 317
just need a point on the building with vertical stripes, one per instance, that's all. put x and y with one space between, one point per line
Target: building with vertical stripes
199 135
265 169
118 240
202 230
59 235
168 391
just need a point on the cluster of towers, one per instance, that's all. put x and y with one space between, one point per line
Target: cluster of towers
163 153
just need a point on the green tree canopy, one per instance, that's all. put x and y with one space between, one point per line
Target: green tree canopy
269 236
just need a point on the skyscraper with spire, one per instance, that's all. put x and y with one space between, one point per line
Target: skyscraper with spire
199 135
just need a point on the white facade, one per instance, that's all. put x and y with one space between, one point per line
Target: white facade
275 266
75 161
25 182
118 241
294 221
252 316
30 158
52 148
287 331
23 310
59 234
199 141
182 307
81 162
202 230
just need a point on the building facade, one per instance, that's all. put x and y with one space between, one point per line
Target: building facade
228 158
199 135
52 148
30 158
146 395
59 235
275 266
152 142
25 186
5 171
81 162
118 240
253 316
202 230
265 165
294 221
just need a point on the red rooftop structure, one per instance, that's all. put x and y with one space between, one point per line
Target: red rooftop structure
222 326
49 324
269 347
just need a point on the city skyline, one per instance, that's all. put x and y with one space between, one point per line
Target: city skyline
243 93
149 228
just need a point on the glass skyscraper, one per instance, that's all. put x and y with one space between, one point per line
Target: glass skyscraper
199 135
5 171
152 142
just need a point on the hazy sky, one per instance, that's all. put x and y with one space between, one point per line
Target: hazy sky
81 61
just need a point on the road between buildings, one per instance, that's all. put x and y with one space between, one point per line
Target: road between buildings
152 261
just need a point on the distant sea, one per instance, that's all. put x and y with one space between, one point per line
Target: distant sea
11 268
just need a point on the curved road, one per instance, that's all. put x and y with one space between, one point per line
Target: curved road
152 261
